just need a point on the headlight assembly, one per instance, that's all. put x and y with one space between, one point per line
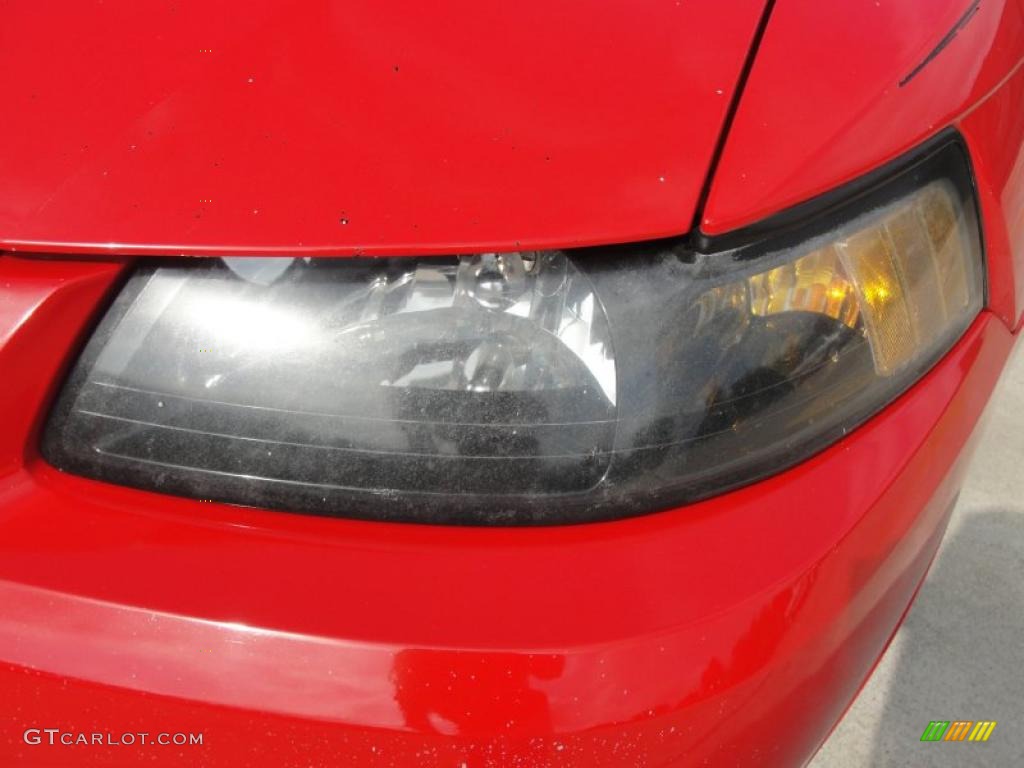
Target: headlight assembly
543 387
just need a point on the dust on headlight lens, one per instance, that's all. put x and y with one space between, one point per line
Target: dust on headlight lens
531 387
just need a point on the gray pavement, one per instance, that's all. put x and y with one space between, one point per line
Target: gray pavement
960 652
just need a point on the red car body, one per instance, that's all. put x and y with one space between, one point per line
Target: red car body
732 631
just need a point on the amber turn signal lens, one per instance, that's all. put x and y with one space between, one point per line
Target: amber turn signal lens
902 274
909 269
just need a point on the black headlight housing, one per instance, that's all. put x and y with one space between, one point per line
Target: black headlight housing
531 387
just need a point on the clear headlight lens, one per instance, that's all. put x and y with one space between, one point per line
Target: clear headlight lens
522 387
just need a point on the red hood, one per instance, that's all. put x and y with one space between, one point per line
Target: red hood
361 126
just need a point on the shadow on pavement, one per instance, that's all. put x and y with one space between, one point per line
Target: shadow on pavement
961 650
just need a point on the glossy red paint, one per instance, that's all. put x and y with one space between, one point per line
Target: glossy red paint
823 102
380 127
294 640
995 136
384 644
